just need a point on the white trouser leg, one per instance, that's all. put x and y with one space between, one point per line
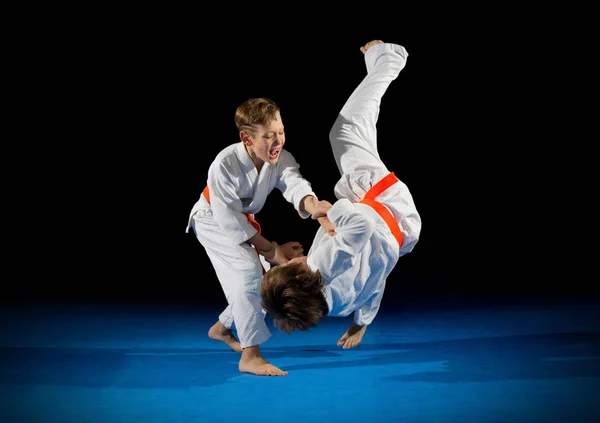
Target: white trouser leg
239 271
353 136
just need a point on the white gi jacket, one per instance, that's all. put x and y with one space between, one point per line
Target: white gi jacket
236 187
357 260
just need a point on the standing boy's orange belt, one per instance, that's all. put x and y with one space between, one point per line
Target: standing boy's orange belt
381 210
254 223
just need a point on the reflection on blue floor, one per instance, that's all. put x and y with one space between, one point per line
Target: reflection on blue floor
134 363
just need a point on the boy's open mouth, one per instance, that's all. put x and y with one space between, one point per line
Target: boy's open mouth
273 154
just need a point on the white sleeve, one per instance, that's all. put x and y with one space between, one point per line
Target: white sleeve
291 183
367 312
353 230
227 206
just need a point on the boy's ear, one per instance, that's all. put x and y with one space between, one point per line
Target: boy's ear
245 138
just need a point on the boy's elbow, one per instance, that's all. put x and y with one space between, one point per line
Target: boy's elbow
412 225
411 232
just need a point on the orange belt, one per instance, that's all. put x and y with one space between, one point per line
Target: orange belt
381 210
254 223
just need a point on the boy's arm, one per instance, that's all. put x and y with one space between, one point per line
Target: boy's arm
263 244
318 210
333 255
327 225
353 228
227 211
367 312
280 254
309 205
294 187
275 253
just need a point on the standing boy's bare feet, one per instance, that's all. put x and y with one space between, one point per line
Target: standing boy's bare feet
352 337
369 45
219 332
253 362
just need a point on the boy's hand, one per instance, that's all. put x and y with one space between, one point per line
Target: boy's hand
281 254
327 225
321 208
292 249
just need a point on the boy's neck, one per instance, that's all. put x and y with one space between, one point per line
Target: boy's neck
258 163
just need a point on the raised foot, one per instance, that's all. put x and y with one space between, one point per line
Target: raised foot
218 332
353 336
369 45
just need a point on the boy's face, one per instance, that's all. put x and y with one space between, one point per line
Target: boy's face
267 141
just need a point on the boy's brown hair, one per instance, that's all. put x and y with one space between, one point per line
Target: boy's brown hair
293 297
255 111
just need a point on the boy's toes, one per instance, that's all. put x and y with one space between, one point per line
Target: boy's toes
369 45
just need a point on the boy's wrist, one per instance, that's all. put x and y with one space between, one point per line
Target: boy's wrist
310 203
277 257
269 254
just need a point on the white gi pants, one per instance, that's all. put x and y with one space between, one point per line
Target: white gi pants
353 139
239 271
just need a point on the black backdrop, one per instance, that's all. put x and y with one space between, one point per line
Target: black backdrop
129 119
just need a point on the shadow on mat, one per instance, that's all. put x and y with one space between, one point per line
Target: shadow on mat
548 356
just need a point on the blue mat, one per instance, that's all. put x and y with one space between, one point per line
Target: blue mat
109 363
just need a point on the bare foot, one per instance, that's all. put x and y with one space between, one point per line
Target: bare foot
352 337
219 332
253 362
369 45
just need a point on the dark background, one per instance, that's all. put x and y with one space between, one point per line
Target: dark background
127 117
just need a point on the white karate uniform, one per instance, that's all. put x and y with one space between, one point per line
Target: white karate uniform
357 260
236 187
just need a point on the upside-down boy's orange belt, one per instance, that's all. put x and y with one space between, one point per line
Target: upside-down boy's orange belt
369 200
254 223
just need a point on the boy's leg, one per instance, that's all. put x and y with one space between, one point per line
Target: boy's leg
222 330
240 273
226 317
353 136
